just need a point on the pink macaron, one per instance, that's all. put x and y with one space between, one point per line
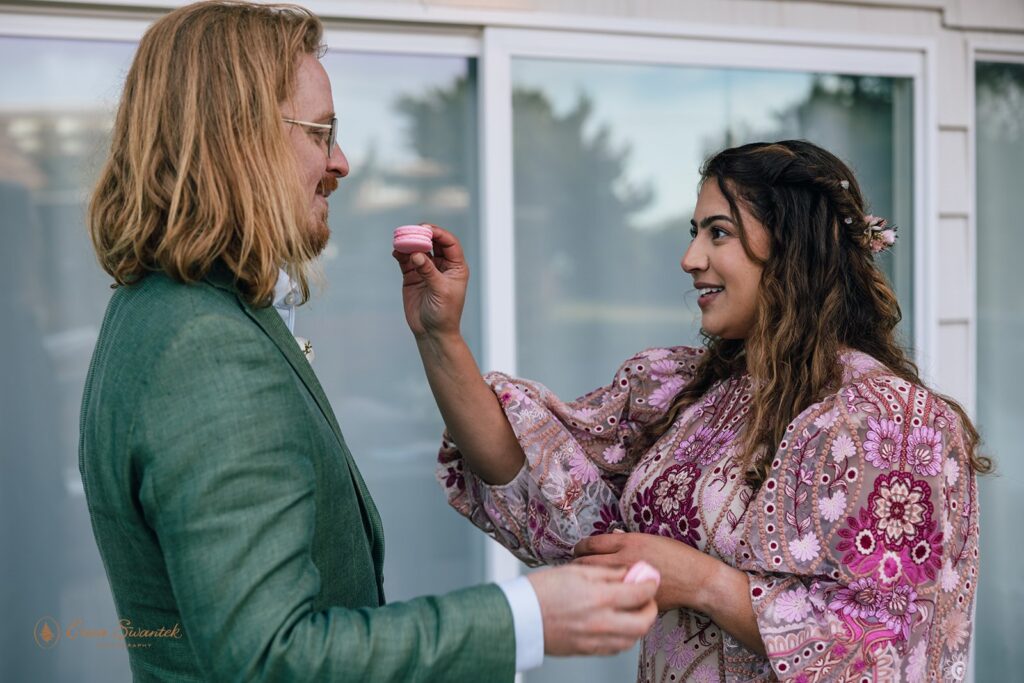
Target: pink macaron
641 571
412 238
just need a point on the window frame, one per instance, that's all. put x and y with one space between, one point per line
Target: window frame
978 50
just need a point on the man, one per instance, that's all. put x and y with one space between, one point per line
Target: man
233 523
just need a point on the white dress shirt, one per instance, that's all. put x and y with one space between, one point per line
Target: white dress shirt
527 623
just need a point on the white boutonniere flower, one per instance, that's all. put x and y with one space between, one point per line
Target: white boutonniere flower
306 347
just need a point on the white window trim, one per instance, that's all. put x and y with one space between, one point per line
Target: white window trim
977 51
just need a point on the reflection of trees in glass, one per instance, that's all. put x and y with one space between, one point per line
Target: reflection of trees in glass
373 366
1000 139
1000 93
577 256
851 116
857 119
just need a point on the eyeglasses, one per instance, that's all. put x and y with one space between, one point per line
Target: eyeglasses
332 127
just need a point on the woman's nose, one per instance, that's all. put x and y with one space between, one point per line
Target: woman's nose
695 259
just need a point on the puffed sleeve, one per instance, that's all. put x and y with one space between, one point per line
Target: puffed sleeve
578 455
862 546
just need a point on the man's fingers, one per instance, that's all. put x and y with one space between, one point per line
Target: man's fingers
632 596
603 573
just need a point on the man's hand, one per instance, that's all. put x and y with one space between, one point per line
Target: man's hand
589 611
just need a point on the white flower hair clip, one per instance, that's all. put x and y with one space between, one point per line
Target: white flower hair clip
878 236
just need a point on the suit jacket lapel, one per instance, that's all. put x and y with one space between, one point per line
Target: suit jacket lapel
270 322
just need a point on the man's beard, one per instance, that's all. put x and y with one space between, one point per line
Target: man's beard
319 230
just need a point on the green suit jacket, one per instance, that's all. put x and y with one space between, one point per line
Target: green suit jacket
224 500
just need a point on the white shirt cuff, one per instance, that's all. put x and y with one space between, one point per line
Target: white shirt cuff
526 622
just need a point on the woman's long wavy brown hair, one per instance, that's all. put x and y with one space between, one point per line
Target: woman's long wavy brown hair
200 169
821 293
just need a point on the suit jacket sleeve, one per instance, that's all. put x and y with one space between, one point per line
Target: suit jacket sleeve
226 481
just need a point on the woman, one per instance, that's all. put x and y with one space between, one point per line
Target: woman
810 504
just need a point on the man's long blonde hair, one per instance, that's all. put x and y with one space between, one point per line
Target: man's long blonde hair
200 169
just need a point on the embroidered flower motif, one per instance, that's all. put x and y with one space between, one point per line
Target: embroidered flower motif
614 454
950 577
582 469
685 527
859 543
955 669
843 448
645 516
678 652
858 600
663 395
955 629
951 470
673 488
454 477
922 560
703 446
890 568
714 495
882 446
655 354
832 507
726 540
805 548
896 610
793 606
663 368
610 520
826 419
901 507
705 673
537 517
584 414
924 451
916 662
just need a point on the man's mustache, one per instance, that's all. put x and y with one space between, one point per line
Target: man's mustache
328 184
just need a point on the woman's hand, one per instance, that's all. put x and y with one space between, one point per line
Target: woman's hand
434 287
685 571
689 578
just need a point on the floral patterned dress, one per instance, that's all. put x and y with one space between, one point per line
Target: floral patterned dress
861 547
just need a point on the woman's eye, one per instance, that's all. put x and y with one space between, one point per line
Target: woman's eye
718 233
693 233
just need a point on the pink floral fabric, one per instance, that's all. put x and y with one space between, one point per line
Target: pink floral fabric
861 547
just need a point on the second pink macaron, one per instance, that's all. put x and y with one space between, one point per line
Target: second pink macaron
409 239
641 571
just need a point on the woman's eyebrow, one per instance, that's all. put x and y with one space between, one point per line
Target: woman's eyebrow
711 219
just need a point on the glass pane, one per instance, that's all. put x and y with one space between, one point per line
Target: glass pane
606 160
408 126
57 99
1000 166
